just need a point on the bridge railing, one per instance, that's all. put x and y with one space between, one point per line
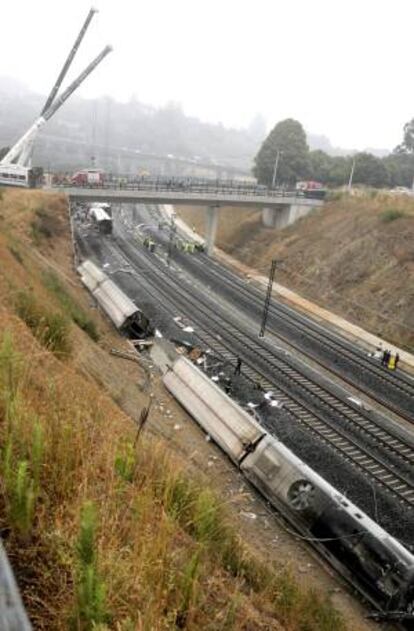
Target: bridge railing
163 187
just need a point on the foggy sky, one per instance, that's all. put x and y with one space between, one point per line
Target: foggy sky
343 68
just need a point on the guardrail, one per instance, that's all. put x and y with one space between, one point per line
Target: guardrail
184 188
13 616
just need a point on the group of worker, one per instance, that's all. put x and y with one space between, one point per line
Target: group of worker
388 359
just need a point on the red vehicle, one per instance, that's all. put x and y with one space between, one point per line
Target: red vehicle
88 177
312 189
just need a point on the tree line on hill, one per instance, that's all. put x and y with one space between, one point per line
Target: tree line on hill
286 144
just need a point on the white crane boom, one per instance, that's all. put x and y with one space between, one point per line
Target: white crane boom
68 61
15 165
21 151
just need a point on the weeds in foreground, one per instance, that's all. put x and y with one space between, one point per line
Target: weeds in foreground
91 592
50 328
391 215
188 589
20 467
78 315
168 556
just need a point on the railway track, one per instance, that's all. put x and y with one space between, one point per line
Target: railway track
334 421
393 390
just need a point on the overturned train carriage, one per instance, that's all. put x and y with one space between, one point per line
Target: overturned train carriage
124 314
366 554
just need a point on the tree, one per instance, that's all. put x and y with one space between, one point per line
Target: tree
320 166
407 145
400 169
288 137
370 170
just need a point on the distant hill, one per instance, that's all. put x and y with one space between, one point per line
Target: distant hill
323 143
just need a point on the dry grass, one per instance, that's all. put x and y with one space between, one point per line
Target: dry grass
105 530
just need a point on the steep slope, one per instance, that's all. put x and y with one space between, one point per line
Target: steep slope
354 256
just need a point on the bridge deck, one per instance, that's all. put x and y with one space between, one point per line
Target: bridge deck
203 198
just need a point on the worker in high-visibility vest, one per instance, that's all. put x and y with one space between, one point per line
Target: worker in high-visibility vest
391 362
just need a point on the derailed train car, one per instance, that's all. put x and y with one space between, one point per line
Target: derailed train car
101 218
124 313
375 562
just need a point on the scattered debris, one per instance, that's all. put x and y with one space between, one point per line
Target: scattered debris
188 329
248 515
177 427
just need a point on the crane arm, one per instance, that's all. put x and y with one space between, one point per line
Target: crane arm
76 83
21 151
27 140
68 61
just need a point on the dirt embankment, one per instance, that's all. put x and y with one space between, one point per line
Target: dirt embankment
354 256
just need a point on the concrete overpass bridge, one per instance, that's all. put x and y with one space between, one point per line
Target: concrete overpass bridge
279 208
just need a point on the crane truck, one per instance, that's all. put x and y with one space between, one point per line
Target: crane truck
16 166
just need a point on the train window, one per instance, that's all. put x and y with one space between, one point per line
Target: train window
5 175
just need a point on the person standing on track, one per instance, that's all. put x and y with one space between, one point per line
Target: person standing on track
237 370
397 359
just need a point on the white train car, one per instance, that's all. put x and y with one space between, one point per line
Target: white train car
230 426
124 313
364 552
101 219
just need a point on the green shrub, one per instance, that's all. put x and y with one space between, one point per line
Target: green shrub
188 589
91 593
126 462
51 329
391 215
53 284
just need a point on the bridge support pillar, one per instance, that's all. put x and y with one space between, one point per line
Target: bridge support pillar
284 215
211 228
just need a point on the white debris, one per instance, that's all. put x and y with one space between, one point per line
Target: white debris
188 329
276 404
252 405
214 378
158 333
105 265
177 427
248 515
268 395
177 318
208 438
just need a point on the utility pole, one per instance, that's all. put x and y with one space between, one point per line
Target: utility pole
351 175
268 296
275 168
170 242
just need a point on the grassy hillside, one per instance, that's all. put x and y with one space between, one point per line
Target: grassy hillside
354 256
104 528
